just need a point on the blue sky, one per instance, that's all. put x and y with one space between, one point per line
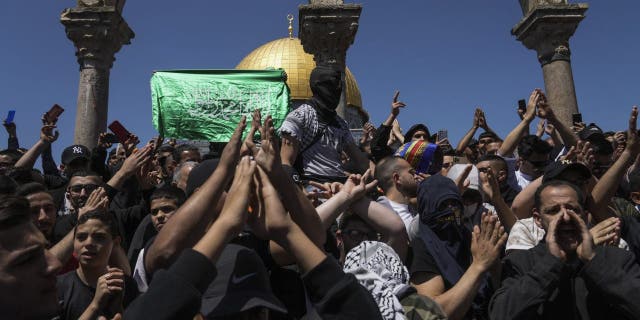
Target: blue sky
445 57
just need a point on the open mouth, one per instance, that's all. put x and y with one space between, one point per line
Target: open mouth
568 233
88 255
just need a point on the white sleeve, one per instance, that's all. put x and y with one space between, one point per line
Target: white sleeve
140 274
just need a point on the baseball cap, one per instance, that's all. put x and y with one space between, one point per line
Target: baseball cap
74 152
591 133
242 283
555 169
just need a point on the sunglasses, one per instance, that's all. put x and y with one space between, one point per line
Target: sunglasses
446 165
87 187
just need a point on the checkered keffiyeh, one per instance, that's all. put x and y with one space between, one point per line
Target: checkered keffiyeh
381 271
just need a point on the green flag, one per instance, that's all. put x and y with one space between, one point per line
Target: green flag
207 105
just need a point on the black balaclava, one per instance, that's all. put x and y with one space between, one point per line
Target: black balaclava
326 85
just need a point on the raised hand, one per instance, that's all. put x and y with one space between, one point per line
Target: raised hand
134 162
544 109
577 127
533 102
396 105
47 133
356 185
482 120
103 140
248 145
586 247
476 118
606 232
109 286
97 200
633 141
368 132
462 182
231 152
130 144
268 156
235 207
488 184
10 127
487 242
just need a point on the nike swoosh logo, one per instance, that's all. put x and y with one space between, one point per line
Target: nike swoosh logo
236 280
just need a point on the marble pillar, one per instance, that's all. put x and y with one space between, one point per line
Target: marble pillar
327 29
546 28
98 31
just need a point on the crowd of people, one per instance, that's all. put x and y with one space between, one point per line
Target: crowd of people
305 222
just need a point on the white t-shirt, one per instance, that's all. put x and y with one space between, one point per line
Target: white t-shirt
403 210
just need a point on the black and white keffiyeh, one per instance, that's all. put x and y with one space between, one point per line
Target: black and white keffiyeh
380 270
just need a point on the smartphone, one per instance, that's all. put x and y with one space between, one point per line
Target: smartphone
10 116
120 131
53 113
522 105
442 134
577 118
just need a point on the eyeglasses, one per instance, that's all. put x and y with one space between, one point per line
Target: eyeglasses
358 235
446 165
87 187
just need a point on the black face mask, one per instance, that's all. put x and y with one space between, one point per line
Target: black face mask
326 85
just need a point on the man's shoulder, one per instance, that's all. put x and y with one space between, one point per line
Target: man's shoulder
68 281
528 257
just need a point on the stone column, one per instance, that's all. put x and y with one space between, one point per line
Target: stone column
98 31
327 29
546 28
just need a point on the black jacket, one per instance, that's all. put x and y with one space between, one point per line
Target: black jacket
177 293
537 285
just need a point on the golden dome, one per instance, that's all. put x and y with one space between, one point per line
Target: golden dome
288 54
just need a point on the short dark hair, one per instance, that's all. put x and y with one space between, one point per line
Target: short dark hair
533 144
447 150
30 188
384 171
105 217
14 211
537 201
7 185
488 134
169 192
493 157
181 148
84 173
14 154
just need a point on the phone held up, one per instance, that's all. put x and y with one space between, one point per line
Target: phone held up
120 131
53 113
577 118
10 116
522 105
